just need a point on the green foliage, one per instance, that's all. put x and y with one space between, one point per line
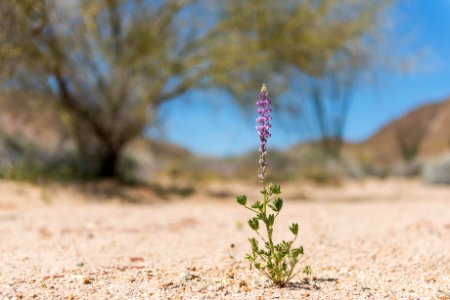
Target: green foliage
242 200
294 228
254 223
257 205
307 270
326 47
276 205
320 175
37 171
261 37
276 261
120 62
275 189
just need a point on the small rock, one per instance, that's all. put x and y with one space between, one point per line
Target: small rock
166 284
430 279
45 233
243 285
185 276
136 259
212 288
87 280
230 273
149 274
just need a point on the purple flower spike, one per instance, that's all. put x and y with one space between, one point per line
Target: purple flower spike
263 128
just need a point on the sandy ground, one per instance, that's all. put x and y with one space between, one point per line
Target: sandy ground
371 240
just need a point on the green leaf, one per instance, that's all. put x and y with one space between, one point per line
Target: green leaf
254 244
275 189
297 252
254 224
276 205
294 228
242 199
249 257
258 205
307 270
270 220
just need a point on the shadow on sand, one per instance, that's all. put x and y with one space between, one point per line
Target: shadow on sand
313 283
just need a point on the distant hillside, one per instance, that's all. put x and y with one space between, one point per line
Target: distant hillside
422 133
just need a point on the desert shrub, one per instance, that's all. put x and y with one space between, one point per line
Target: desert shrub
22 159
321 176
437 171
36 170
312 165
411 168
351 167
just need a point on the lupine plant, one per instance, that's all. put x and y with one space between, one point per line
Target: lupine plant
276 261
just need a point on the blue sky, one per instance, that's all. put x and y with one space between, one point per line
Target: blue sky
209 123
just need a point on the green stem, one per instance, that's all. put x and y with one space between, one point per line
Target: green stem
269 228
293 275
264 272
269 232
253 210
262 238
292 263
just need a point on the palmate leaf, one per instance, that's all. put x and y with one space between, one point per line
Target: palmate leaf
276 260
270 220
307 270
258 205
254 224
254 244
275 189
294 228
249 257
297 252
276 205
241 199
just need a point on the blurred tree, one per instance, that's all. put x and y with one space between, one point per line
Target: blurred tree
106 64
109 64
327 100
321 46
